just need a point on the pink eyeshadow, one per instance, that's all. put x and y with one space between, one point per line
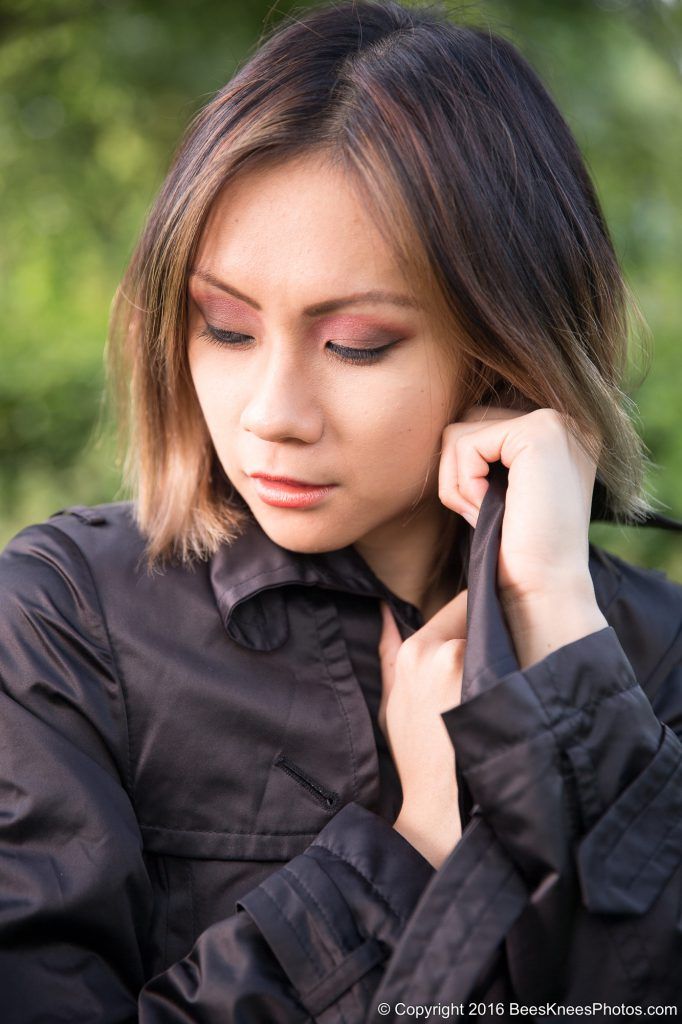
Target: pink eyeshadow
221 310
358 328
218 307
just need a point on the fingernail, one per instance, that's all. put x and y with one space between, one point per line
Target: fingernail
471 519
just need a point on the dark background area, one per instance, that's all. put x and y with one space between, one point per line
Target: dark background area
93 99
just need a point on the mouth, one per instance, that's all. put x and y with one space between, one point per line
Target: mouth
287 480
287 492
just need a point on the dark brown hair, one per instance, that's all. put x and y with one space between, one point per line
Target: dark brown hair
473 177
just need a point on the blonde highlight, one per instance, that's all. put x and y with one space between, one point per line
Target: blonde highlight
375 88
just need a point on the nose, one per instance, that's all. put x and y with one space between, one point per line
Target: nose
282 404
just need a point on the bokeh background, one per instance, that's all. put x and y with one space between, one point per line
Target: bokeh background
93 99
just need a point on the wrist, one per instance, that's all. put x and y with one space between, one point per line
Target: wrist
433 842
544 620
573 582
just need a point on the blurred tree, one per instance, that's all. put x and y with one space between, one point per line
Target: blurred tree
93 98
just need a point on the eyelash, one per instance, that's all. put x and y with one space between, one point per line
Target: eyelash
348 355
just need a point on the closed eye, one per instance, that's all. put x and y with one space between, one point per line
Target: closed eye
233 339
220 337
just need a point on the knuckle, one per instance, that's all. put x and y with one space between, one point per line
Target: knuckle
461 443
412 648
452 652
551 420
450 495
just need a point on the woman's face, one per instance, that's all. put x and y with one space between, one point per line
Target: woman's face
289 387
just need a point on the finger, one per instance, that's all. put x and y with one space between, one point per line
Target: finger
449 622
448 482
465 462
472 470
462 472
452 476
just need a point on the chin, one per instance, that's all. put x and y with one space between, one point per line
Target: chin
306 532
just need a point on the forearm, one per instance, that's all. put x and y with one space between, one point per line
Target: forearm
543 622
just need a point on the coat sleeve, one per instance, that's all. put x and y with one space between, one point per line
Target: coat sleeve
576 763
75 897
577 791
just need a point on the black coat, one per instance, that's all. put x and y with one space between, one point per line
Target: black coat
197 802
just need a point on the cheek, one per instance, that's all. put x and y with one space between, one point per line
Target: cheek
395 431
218 392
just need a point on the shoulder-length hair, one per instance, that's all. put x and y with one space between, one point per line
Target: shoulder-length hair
474 178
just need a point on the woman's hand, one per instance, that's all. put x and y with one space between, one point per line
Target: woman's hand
544 540
421 677
543 574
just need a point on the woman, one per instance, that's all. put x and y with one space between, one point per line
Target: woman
370 348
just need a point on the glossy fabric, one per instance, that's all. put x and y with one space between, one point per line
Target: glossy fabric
196 800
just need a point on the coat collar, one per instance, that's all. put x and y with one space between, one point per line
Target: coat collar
248 577
249 574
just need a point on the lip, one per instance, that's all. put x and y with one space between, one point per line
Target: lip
285 492
287 480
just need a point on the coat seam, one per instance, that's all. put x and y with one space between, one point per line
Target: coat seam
636 984
294 931
671 826
627 825
284 734
190 879
556 728
351 864
459 890
218 832
323 914
322 579
677 640
549 728
467 937
611 569
340 703
166 929
671 647
114 661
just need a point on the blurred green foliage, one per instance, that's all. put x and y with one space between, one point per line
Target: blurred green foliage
93 98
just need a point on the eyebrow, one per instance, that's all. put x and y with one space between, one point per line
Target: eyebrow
318 308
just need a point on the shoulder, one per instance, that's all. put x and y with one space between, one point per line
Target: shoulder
57 663
70 543
84 569
48 569
644 606
87 562
100 532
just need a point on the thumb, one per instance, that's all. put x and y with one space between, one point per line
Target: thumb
449 622
389 645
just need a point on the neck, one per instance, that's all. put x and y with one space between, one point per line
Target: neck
404 556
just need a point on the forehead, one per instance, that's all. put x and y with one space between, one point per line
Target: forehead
289 218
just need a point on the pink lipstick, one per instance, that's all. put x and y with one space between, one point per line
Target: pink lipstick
284 492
